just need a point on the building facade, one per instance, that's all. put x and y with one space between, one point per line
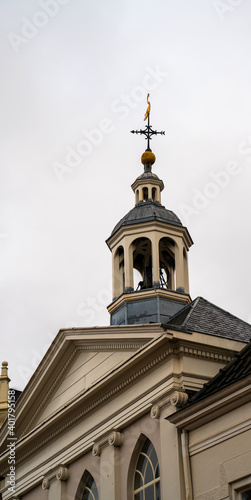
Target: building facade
102 417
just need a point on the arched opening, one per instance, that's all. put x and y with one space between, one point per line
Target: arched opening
87 489
137 196
145 193
154 193
167 263
147 474
119 272
137 278
90 491
142 263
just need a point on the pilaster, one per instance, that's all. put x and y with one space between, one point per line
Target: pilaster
108 451
55 483
4 388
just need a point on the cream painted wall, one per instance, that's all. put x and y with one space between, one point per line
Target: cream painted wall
222 448
85 370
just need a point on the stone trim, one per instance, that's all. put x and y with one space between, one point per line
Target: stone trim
115 438
142 371
128 346
62 473
177 398
220 436
86 347
171 350
49 392
205 353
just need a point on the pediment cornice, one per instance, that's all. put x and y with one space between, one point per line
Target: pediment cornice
148 358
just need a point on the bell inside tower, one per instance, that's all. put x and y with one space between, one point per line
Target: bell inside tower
167 263
142 262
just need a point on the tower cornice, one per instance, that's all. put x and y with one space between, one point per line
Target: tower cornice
140 228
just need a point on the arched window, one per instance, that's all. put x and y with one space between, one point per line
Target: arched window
90 491
137 196
145 193
147 476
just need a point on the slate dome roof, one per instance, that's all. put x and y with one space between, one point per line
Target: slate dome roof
147 175
148 211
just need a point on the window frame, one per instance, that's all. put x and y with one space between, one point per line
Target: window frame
155 480
239 487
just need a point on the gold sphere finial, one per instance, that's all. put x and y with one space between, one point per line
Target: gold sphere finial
148 157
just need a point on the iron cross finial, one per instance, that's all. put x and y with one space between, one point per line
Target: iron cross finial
148 131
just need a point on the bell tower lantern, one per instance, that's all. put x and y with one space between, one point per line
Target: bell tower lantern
149 248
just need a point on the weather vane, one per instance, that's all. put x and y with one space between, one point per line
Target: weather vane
148 131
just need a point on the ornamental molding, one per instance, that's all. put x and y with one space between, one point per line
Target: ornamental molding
84 347
173 349
126 346
220 436
99 401
204 353
177 398
49 393
115 438
61 473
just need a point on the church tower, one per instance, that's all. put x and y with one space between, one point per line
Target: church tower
149 248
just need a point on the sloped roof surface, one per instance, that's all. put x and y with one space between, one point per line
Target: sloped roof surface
204 317
237 369
147 175
148 211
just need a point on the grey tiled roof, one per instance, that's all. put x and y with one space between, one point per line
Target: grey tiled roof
237 369
148 211
204 317
147 175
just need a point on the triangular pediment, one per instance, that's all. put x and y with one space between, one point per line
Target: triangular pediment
85 369
76 361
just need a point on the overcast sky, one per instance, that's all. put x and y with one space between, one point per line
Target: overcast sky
74 80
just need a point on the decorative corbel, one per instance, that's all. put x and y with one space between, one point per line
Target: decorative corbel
115 438
179 399
60 473
156 408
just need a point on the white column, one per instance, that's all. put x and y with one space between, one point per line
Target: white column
186 275
114 276
179 265
155 259
128 267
